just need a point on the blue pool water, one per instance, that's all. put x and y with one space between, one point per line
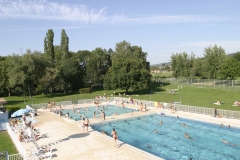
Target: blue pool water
169 141
108 109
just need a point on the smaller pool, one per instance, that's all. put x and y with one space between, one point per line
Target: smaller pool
108 109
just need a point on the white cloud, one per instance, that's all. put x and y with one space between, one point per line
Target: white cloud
153 19
45 10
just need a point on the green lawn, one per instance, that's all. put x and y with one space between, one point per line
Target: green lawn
6 143
202 97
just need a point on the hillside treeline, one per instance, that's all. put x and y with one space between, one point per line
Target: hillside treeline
59 70
215 64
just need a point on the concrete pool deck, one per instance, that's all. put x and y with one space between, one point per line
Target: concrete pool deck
68 141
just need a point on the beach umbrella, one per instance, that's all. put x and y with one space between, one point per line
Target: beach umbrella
20 112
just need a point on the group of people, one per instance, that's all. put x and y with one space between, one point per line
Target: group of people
25 129
85 124
142 108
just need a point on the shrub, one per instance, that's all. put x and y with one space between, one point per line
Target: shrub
85 90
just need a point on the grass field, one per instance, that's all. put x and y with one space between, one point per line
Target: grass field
6 143
202 97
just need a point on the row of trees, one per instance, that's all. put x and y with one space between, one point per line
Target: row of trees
58 69
215 64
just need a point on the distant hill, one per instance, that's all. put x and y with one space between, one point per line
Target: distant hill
161 64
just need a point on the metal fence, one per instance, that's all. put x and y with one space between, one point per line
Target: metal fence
231 85
15 157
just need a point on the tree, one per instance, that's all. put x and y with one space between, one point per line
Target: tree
48 45
182 64
129 69
4 79
25 71
214 57
237 56
95 73
230 68
197 69
69 72
64 45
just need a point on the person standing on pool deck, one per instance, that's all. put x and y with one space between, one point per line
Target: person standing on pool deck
86 124
115 137
103 115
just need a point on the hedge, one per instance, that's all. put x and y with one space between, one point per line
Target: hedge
85 90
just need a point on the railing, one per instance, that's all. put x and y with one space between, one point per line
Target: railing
85 101
231 85
17 143
15 157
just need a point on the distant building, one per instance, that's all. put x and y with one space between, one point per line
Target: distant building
155 71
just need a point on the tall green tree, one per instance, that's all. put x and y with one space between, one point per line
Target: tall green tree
230 68
129 69
4 78
64 45
237 56
181 64
197 68
25 71
214 57
97 64
48 45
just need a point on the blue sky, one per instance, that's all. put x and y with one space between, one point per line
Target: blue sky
160 27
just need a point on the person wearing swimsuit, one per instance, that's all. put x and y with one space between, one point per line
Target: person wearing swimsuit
86 124
115 137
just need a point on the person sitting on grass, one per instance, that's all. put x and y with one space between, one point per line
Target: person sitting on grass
218 102
236 103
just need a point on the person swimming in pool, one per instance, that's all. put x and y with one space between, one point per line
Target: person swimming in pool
225 141
184 125
187 136
155 131
161 122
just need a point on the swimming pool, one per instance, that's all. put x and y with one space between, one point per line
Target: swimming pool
108 109
169 141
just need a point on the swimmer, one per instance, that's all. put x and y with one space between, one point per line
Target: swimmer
155 131
187 136
184 125
177 117
229 126
222 124
161 122
224 141
132 113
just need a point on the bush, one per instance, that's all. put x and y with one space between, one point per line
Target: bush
85 90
